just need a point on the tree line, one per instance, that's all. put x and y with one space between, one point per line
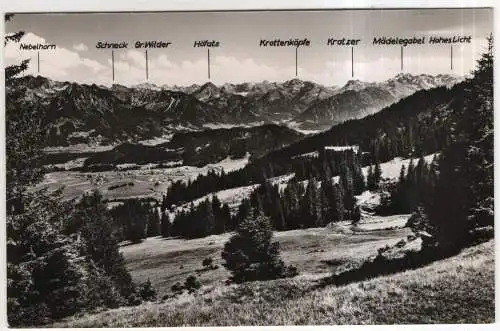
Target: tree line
62 256
415 186
325 164
400 130
452 196
314 202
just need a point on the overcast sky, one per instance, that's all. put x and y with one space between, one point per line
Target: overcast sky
239 58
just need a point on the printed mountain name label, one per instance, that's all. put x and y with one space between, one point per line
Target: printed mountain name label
398 41
342 42
206 43
152 44
292 42
450 40
106 44
31 47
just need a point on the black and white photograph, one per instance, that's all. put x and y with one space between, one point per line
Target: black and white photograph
249 167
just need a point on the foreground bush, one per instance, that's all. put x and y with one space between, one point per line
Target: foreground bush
147 291
192 284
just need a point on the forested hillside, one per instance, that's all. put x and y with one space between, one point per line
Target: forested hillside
417 125
200 148
300 200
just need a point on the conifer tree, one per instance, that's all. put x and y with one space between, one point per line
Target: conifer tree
398 195
311 204
370 179
358 180
153 228
402 175
226 216
328 192
377 174
338 209
54 261
256 203
410 177
348 189
356 215
147 291
101 245
324 206
204 220
251 254
244 211
165 224
24 134
292 197
219 217
134 214
420 170
46 271
464 190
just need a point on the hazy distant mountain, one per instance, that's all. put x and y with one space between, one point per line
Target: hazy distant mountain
186 89
358 99
268 102
206 92
419 123
87 113
344 106
147 86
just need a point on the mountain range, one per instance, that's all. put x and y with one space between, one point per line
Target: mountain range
80 113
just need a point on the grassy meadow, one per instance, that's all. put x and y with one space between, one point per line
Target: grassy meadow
315 251
459 289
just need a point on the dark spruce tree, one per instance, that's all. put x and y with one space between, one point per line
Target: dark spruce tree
49 274
377 175
153 227
94 223
166 226
45 270
339 213
291 197
347 184
134 216
464 190
251 254
311 205
356 215
195 222
147 291
370 179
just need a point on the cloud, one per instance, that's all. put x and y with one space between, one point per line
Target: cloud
80 47
93 65
137 58
370 64
130 69
59 64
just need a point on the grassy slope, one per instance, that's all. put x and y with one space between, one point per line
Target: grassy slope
456 290
314 251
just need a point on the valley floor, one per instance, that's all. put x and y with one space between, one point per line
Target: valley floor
147 181
455 290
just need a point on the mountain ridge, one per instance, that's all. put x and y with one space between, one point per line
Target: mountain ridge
120 113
